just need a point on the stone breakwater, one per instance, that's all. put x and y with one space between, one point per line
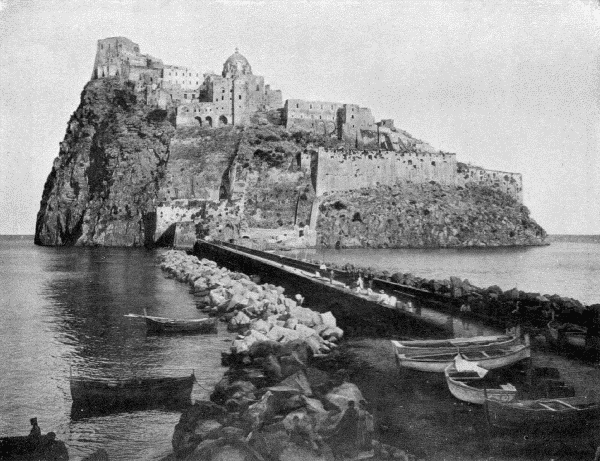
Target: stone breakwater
279 399
491 303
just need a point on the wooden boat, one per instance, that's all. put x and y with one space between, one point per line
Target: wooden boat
24 447
137 391
168 325
427 346
486 357
567 334
543 414
470 386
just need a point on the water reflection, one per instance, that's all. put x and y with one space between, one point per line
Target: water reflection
65 307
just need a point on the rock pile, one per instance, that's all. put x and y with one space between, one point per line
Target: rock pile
275 402
261 313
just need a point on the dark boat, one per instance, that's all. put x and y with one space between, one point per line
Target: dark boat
109 394
25 447
168 325
543 414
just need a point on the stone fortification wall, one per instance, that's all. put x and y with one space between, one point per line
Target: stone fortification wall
341 170
314 116
509 183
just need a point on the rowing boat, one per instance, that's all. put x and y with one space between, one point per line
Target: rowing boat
103 393
486 357
543 414
473 386
169 325
427 346
567 334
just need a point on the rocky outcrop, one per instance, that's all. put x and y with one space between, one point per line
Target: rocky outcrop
103 185
425 215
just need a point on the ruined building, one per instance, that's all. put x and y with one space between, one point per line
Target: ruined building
382 154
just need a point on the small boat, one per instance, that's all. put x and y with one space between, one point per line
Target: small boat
486 357
101 393
26 447
567 334
426 346
469 384
543 414
168 325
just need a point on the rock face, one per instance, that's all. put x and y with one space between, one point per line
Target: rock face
103 185
126 177
425 215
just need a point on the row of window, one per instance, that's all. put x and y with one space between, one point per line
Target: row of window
182 74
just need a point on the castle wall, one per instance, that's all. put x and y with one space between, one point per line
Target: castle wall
273 98
348 170
509 183
185 77
316 116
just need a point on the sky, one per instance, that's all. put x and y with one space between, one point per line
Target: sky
505 84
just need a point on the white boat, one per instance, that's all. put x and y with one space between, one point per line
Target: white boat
486 357
468 384
427 346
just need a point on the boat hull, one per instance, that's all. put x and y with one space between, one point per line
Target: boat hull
454 345
102 395
158 325
462 391
531 415
489 358
571 338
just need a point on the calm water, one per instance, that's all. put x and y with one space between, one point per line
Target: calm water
566 268
65 308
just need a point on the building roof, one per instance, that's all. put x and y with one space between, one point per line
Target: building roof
236 65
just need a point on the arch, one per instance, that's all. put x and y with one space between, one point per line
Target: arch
209 121
222 120
199 120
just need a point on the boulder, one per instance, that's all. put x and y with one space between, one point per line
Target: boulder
265 348
341 395
261 326
298 382
282 334
272 368
208 429
261 411
291 364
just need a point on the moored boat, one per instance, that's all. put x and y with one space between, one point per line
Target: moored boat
101 394
169 325
26 447
470 385
487 357
543 414
426 346
567 334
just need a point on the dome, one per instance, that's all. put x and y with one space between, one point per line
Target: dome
235 65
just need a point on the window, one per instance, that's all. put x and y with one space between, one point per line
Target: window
311 106
176 74
222 98
257 87
240 96
297 106
101 47
190 74
352 117
185 96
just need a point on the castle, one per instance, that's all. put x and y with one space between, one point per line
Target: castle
383 154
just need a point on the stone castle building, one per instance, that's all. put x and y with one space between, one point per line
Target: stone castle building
383 154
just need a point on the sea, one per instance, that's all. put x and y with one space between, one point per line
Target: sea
63 312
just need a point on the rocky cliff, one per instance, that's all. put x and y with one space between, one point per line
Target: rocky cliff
126 177
103 185
425 215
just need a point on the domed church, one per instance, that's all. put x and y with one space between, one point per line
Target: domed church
230 98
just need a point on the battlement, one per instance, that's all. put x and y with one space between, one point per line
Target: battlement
341 170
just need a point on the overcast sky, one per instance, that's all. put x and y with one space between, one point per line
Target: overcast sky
509 85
